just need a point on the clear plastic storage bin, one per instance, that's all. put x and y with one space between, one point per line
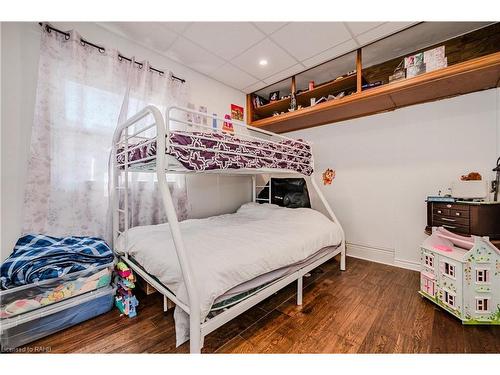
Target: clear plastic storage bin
22 329
20 300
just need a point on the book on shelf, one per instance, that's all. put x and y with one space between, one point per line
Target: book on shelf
371 85
259 101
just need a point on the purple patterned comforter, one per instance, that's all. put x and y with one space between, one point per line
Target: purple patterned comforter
201 151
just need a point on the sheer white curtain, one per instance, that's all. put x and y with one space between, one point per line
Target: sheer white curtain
81 95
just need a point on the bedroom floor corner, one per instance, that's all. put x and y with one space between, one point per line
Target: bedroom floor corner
369 308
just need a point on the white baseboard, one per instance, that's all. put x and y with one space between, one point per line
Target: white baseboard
408 264
373 254
379 255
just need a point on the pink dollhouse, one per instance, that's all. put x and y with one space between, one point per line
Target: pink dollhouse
462 275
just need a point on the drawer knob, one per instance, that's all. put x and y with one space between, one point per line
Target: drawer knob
448 205
458 214
439 212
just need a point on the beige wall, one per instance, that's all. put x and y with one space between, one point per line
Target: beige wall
388 163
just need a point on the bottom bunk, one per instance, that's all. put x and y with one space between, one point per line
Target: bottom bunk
251 253
232 303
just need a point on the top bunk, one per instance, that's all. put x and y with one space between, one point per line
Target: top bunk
197 142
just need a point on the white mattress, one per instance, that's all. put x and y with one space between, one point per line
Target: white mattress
228 250
274 275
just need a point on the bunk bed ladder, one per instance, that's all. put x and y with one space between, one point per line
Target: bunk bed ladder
262 187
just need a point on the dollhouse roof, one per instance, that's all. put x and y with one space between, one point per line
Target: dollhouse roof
456 253
445 243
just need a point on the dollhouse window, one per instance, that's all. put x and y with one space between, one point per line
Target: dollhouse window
429 261
429 286
449 299
482 276
482 304
449 269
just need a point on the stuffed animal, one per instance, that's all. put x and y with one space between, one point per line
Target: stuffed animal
123 270
472 176
125 300
328 176
127 305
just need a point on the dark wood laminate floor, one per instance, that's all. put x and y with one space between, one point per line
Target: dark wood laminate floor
370 308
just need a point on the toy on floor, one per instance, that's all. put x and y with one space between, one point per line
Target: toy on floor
125 300
462 275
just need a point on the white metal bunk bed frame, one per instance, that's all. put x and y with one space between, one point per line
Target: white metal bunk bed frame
159 165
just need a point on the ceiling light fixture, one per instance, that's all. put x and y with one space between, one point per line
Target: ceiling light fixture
263 62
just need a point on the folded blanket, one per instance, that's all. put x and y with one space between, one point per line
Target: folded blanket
39 257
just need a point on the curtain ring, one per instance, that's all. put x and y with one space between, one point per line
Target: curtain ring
48 29
82 42
66 36
102 50
140 65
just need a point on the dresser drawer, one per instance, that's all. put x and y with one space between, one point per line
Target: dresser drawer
459 213
453 227
442 211
451 220
451 206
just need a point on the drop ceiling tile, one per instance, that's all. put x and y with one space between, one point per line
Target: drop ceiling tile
154 35
269 27
306 39
362 27
224 39
189 54
284 74
382 31
254 87
277 59
233 77
178 27
331 53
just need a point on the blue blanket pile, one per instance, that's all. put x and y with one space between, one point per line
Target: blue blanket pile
40 257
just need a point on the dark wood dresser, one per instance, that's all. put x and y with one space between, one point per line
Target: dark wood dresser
466 218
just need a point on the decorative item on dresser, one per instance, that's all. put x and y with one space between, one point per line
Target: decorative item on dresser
467 218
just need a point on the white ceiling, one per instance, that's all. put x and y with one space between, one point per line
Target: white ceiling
230 51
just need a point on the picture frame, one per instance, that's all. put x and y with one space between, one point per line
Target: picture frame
236 112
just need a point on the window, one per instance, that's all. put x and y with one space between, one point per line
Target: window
482 276
449 269
429 261
449 298
482 304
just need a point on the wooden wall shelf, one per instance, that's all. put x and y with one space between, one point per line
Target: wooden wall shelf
304 98
473 75
267 110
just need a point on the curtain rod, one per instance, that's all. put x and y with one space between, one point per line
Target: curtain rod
102 50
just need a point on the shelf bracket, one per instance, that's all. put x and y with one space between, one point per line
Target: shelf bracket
359 73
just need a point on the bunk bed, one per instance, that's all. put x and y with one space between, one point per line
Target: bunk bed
216 268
